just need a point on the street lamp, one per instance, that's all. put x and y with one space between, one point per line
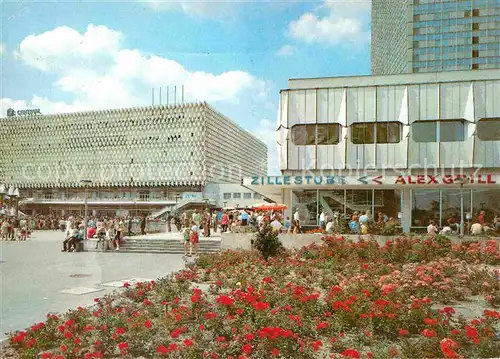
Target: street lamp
16 197
10 193
461 181
86 182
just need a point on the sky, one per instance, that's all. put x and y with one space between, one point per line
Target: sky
67 56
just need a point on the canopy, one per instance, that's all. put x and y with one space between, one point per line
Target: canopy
269 207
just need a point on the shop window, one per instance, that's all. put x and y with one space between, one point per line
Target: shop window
363 133
236 195
306 203
389 132
425 207
488 129
247 195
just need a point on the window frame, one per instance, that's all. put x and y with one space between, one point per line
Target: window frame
226 195
484 121
310 135
373 137
438 138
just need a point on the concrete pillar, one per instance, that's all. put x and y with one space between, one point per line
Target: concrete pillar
287 199
406 209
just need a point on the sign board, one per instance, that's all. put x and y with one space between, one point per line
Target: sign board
11 112
192 196
374 180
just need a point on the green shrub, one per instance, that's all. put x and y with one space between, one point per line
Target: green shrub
266 241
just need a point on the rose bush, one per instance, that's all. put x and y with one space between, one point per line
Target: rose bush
341 299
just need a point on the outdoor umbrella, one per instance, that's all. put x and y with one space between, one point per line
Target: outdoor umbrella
269 207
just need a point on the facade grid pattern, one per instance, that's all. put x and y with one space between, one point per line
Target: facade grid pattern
441 35
157 146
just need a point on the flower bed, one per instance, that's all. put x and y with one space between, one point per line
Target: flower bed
340 299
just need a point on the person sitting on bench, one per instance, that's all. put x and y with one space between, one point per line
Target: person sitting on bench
75 236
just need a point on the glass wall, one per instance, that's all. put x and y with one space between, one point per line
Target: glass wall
487 200
332 201
450 204
387 202
425 207
440 205
306 202
345 202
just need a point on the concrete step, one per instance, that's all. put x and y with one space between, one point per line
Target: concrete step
181 252
201 245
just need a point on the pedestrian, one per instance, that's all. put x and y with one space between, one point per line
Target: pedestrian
194 238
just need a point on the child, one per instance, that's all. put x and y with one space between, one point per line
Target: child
193 238
186 240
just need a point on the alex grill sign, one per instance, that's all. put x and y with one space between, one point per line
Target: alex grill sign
375 180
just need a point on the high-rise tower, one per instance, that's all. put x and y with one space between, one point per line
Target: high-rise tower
411 36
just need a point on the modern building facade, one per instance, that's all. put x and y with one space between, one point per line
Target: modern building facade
411 36
137 159
410 146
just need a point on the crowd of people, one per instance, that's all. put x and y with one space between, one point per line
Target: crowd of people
478 226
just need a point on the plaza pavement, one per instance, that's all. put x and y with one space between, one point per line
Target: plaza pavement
33 274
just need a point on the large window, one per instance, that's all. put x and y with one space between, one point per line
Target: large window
328 134
363 133
438 131
488 129
306 203
451 131
312 134
383 132
388 132
425 205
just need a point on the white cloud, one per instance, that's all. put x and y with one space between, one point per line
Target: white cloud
98 72
2 49
335 22
287 50
197 8
266 132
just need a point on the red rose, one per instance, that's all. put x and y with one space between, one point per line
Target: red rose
246 348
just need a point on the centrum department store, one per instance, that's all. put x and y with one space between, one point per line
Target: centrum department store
415 147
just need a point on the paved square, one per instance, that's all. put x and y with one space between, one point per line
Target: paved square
80 290
34 273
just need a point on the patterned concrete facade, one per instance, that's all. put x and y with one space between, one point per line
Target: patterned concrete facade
411 36
176 145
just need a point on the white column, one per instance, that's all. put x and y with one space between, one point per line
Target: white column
406 209
287 199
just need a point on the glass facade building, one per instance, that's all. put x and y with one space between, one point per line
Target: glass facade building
435 35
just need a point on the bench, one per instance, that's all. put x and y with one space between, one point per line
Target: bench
91 243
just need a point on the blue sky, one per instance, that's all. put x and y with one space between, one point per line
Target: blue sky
83 55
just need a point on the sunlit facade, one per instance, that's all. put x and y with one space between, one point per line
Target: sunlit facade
397 144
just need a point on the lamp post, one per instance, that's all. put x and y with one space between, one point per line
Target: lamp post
16 197
461 181
86 182
10 193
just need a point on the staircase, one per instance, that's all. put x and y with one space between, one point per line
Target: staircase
167 246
